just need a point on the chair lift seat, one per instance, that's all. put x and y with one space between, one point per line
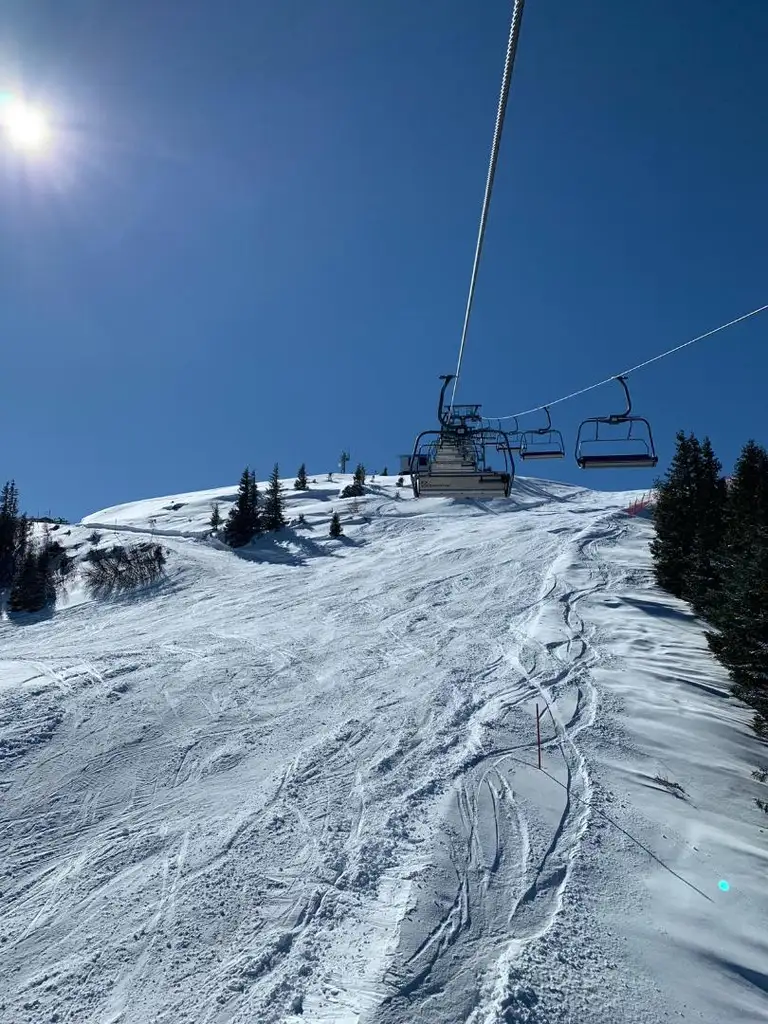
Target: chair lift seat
638 460
543 453
549 445
616 460
453 463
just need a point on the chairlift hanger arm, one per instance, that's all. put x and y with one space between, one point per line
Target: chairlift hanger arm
548 428
622 417
617 460
442 416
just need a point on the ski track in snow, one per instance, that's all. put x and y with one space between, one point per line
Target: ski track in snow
309 792
504 870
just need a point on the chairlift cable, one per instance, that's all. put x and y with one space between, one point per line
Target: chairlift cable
514 35
639 366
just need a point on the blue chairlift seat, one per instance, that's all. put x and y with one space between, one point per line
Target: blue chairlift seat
624 453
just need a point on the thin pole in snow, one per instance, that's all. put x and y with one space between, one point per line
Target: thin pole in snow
538 733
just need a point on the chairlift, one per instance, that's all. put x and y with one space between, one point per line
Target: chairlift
641 453
542 442
514 435
452 461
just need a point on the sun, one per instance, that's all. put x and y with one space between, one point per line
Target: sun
25 127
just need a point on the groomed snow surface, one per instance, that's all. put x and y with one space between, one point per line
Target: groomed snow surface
299 783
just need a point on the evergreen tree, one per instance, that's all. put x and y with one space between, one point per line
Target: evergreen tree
746 516
741 617
24 592
215 520
356 489
673 516
274 514
244 520
703 579
741 642
747 497
385 472
253 499
60 563
47 576
336 530
34 587
300 484
23 538
9 533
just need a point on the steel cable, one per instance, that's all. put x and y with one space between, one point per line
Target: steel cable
514 35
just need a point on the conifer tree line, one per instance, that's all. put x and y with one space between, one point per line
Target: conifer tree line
254 514
251 515
34 570
31 572
711 549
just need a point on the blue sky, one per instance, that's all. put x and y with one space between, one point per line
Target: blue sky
252 237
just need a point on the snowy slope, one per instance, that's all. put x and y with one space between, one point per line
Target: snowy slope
302 785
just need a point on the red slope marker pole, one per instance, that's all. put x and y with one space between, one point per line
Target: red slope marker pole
538 734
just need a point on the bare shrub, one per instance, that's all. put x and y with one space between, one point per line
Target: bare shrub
118 569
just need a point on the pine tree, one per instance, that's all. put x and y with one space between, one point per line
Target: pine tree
61 563
24 592
741 618
244 520
34 587
673 516
746 515
336 529
23 538
253 501
215 521
748 496
274 514
702 579
9 533
385 472
47 578
300 484
741 642
356 489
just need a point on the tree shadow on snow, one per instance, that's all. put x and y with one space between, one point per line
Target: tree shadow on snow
281 548
116 594
663 785
30 618
659 608
756 978
346 541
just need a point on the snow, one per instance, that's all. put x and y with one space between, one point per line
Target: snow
299 783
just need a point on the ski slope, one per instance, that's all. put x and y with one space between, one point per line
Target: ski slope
300 784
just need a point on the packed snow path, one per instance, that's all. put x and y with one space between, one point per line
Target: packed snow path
308 791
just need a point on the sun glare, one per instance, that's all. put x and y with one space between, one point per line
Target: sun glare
25 126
